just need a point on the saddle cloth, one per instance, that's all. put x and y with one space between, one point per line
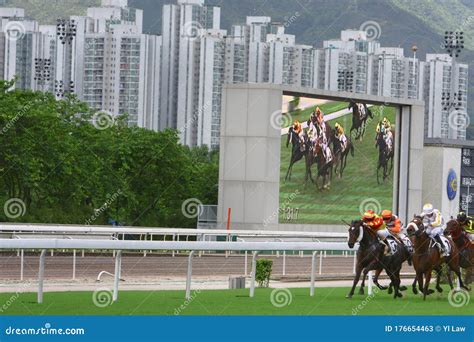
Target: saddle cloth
393 247
406 241
447 245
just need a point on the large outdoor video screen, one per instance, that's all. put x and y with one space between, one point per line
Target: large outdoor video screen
337 160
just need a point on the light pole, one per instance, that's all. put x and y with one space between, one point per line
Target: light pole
453 44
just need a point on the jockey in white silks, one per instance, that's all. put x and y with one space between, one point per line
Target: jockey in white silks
362 112
434 224
323 135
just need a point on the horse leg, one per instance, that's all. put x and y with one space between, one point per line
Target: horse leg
376 280
356 281
439 272
454 265
397 286
427 284
413 286
364 276
419 277
378 169
450 280
288 173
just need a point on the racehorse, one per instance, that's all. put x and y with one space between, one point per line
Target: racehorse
340 156
324 167
427 258
465 247
359 123
296 151
385 155
370 256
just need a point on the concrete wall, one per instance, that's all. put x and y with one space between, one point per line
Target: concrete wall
438 160
249 170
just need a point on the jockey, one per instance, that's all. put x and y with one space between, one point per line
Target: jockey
467 224
434 224
377 224
385 128
299 130
362 112
322 135
341 136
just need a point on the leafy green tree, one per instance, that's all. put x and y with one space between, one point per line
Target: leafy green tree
66 170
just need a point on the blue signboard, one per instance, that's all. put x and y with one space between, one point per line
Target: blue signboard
452 184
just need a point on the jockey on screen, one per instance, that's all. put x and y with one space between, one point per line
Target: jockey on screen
434 224
467 224
323 135
385 128
341 136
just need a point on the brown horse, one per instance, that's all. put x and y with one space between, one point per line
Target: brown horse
465 248
370 256
427 258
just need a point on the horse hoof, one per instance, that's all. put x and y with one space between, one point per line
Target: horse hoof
439 289
382 288
403 288
398 295
415 291
390 291
430 291
361 292
349 296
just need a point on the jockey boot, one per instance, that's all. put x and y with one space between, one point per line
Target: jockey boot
440 243
387 245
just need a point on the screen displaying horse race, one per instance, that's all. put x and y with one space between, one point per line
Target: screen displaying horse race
337 160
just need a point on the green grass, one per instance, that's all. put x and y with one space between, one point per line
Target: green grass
359 182
327 301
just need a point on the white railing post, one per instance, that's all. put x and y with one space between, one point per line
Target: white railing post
73 264
284 262
320 262
189 275
254 271
313 271
371 283
22 257
354 264
246 262
41 276
118 264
